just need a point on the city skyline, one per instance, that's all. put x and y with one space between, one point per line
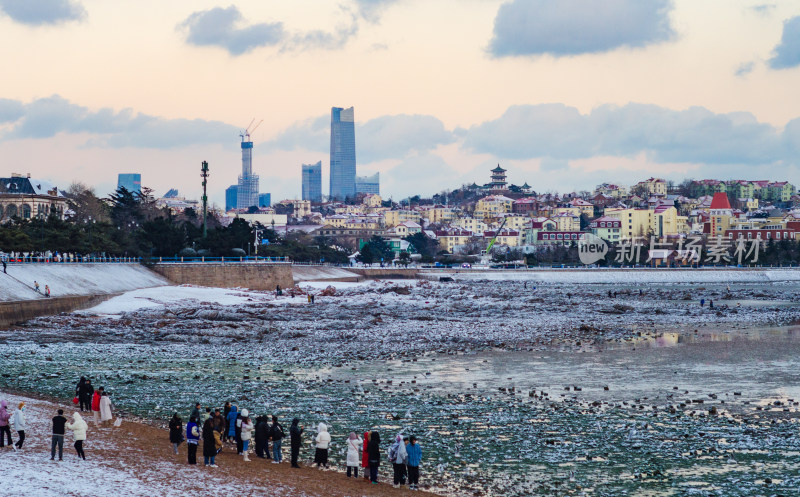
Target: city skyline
592 92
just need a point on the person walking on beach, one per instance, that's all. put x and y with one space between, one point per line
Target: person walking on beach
231 420
96 405
79 428
206 415
5 430
245 434
295 434
365 455
105 408
414 458
88 392
374 452
175 432
209 443
398 457
46 291
323 439
225 412
196 411
18 421
192 438
36 286
277 434
59 430
237 435
702 302
353 459
261 435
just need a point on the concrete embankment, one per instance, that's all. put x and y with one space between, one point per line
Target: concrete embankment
72 286
255 276
324 273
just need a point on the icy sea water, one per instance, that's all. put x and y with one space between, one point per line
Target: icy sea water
706 414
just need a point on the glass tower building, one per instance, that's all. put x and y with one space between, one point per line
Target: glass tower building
343 154
312 182
231 193
369 184
131 182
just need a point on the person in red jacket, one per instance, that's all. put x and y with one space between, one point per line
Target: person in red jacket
96 405
365 456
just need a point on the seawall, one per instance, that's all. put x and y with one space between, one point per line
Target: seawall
255 276
22 310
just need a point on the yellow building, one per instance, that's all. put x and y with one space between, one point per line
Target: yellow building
635 222
492 206
437 214
372 200
664 221
720 215
470 224
395 217
656 186
514 222
583 206
449 240
509 238
574 211
566 221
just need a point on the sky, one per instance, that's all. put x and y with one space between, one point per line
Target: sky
564 94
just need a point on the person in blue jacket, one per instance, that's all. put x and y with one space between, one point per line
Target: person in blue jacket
414 458
232 422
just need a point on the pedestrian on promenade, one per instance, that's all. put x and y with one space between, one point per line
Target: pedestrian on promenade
59 426
365 455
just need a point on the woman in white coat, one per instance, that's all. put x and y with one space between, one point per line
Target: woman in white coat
323 439
79 428
353 456
105 408
19 424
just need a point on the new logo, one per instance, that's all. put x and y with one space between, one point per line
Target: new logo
591 248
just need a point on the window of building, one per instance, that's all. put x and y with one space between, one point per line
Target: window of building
26 211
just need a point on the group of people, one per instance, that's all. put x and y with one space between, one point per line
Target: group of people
46 292
237 427
18 422
98 401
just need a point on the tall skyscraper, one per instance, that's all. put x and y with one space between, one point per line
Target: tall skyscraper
369 184
264 199
230 197
343 153
131 182
247 194
312 182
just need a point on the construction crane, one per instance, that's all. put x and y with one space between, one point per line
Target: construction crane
250 129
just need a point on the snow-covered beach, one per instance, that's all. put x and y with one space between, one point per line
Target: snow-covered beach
517 385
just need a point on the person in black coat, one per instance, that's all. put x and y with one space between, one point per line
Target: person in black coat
175 431
84 392
295 432
209 444
261 435
374 453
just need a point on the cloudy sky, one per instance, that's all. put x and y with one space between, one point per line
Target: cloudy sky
565 94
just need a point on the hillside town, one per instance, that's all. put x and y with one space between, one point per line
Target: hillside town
508 217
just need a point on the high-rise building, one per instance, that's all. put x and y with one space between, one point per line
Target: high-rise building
264 199
247 193
131 182
230 197
369 184
312 182
343 154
